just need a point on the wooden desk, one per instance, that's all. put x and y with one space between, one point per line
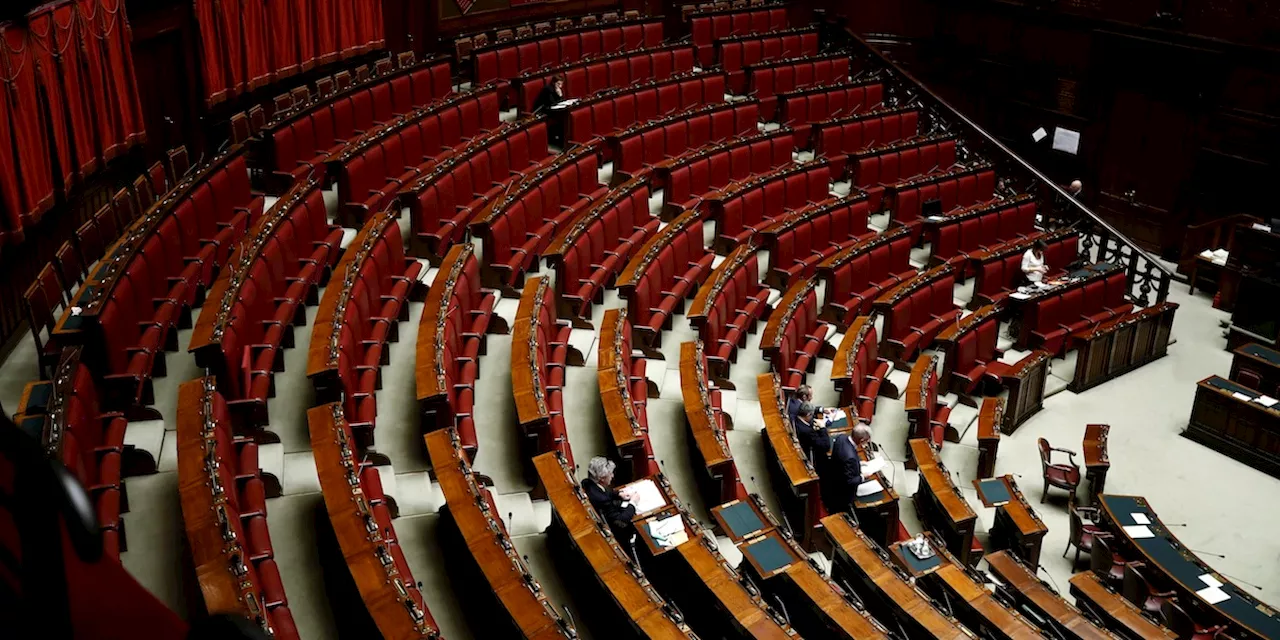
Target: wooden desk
1120 615
1017 526
1096 462
1032 593
989 418
1257 367
613 358
1025 381
973 605
877 512
1244 430
951 335
1021 304
606 562
792 475
775 328
1164 554
882 586
718 482
476 538
646 257
743 519
738 613
940 505
1118 346
381 586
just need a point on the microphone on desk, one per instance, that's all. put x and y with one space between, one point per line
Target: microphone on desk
1206 553
1243 582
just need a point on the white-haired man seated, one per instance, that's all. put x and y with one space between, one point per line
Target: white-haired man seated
608 502
844 472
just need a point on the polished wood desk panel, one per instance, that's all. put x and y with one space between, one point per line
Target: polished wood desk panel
1257 367
979 609
1244 430
1025 381
1021 305
990 415
940 505
526 371
1120 345
1165 554
718 480
951 335
748 614
1120 615
883 587
484 536
1096 461
794 479
1017 526
1031 592
878 512
775 328
381 586
611 566
630 437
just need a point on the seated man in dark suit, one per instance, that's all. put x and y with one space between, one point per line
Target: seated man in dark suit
608 502
813 438
803 394
844 473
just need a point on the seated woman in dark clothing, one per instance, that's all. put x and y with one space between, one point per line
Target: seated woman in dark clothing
608 502
552 94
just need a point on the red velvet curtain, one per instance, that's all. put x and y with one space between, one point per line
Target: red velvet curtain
55 30
28 184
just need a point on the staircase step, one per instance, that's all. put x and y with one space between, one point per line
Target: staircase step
300 474
271 460
517 512
417 494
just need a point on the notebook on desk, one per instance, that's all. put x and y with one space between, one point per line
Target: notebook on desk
645 496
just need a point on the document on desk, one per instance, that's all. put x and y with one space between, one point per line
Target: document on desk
1213 595
644 495
668 532
1240 396
1019 295
1139 531
1210 580
869 488
1266 401
872 466
1140 518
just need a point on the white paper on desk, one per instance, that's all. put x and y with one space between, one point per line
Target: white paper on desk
1221 254
1213 595
1240 396
1261 227
1140 518
1019 295
668 532
1139 531
872 466
1266 401
935 218
645 496
1066 140
1210 580
1207 253
1039 134
868 488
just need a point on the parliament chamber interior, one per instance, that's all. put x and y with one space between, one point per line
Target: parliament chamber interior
642 319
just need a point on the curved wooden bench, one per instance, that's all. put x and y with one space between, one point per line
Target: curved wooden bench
969 351
765 80
802 239
708 426
926 416
735 51
835 139
688 177
1121 616
980 227
916 310
540 351
885 588
794 479
451 339
612 110
973 604
999 269
1022 582
669 268
728 305
794 337
624 392
608 71
941 506
803 107
990 417
224 513
507 59
958 187
858 372
613 569
361 518
475 538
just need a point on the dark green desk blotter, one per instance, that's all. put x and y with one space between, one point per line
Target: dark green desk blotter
917 565
38 399
994 491
1259 351
741 519
838 423
33 426
1227 385
769 553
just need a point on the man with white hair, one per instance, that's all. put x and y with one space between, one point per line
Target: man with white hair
845 471
608 502
803 394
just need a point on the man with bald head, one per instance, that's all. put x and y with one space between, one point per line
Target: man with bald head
844 473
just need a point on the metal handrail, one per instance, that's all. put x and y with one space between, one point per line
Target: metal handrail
990 139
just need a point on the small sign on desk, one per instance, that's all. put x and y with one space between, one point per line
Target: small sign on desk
994 492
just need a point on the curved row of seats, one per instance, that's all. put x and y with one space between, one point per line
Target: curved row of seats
765 80
1097 297
540 351
802 239
793 476
836 138
649 143
451 338
688 177
716 472
980 228
743 209
794 337
624 392
803 107
969 351
705 28
517 227
734 53
360 514
299 136
586 77
506 60
248 317
959 187
370 169
137 297
224 513
899 161
616 109
998 270
590 252
858 372
916 310
926 416
452 189
666 270
728 305
359 314
466 43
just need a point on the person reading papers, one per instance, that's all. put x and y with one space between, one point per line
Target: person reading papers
812 436
847 476
1033 265
611 504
